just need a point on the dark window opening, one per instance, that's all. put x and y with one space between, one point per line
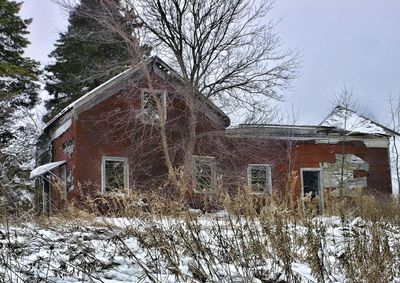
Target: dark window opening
311 180
46 194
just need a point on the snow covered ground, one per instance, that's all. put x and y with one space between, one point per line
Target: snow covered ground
200 248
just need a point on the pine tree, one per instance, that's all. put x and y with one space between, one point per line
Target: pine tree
18 74
18 92
86 55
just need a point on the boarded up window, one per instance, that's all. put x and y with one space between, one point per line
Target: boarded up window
259 177
204 173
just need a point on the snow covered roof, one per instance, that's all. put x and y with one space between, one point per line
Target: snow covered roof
351 121
42 169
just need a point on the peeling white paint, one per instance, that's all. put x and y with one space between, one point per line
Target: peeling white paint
68 147
333 173
370 143
381 143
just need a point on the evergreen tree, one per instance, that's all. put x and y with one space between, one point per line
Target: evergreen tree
18 74
18 92
86 55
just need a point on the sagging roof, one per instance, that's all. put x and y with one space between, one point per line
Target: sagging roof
341 121
126 74
282 131
299 132
351 121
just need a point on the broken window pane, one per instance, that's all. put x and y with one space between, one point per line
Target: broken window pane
259 177
149 106
204 174
114 175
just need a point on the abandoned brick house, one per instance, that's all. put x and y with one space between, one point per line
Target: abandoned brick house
109 139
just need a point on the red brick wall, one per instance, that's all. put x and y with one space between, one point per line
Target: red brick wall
112 128
103 131
59 153
233 155
310 155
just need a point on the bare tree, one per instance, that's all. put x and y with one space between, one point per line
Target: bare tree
347 117
107 16
223 50
226 51
345 99
394 111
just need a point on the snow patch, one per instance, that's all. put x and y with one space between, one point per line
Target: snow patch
353 122
45 168
121 250
61 129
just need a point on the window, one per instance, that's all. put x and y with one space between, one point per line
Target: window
149 110
259 178
204 173
114 173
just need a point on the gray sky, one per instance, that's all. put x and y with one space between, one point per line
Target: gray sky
343 42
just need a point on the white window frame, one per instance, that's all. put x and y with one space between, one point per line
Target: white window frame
211 161
163 94
321 192
103 171
268 173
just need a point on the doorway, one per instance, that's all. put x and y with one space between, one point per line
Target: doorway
311 185
46 195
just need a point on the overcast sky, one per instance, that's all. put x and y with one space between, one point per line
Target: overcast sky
343 42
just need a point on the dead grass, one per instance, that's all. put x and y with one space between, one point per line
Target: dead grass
265 237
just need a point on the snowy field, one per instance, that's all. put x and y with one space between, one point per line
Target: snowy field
200 248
